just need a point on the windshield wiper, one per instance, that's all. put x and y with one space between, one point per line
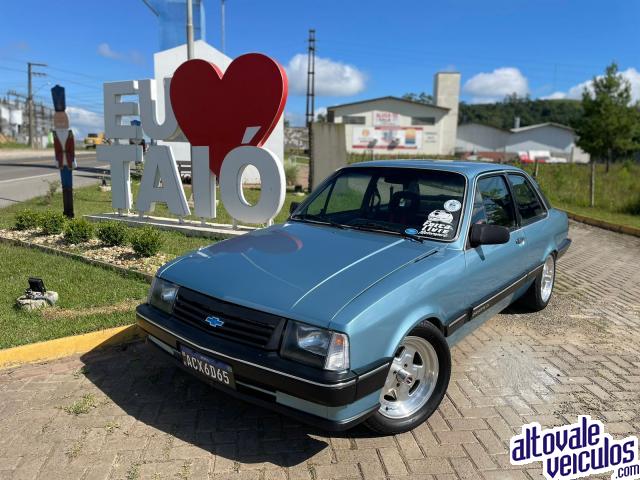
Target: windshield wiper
412 236
372 226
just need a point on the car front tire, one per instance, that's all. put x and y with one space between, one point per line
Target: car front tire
539 294
416 382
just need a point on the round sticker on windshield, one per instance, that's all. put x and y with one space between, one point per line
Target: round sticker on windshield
452 205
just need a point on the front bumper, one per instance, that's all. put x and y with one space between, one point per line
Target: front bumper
329 400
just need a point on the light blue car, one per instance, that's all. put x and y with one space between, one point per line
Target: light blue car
345 313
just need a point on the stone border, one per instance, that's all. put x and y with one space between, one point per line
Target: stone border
614 227
147 277
66 346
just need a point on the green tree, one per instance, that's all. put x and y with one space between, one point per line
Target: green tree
421 97
502 114
610 125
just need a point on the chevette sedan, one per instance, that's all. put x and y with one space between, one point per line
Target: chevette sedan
345 313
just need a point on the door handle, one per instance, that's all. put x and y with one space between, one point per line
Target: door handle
520 240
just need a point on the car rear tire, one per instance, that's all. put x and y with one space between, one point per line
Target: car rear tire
416 382
539 294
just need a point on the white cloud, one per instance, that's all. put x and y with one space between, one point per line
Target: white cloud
321 111
334 79
493 86
575 92
105 50
555 96
84 121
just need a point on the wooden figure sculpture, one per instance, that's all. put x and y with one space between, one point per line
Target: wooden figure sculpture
64 147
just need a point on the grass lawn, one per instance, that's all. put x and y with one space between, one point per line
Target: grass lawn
601 214
13 145
90 200
617 192
91 298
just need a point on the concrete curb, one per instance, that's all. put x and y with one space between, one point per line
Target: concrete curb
189 228
66 346
56 251
614 227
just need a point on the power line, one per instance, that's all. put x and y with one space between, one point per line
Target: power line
71 72
12 69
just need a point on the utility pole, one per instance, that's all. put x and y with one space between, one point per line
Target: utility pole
31 74
222 24
311 88
189 29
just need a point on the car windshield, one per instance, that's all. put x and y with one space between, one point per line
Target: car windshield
414 202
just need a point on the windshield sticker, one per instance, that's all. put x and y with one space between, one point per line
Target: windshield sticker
452 205
436 229
440 216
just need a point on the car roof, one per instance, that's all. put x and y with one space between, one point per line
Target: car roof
470 169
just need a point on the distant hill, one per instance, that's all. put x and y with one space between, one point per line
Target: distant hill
502 114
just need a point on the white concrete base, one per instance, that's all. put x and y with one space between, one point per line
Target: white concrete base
191 228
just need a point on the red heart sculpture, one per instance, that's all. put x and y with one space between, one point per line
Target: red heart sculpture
215 110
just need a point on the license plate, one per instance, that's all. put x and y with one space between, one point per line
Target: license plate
211 368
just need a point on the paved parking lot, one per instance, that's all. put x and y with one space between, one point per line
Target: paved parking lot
126 415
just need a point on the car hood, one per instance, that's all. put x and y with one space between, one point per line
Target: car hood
297 270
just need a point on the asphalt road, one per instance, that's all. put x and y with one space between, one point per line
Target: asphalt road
25 178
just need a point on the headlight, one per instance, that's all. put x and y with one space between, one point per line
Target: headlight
162 294
316 346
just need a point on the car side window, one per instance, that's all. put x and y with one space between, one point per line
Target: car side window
527 201
478 214
497 201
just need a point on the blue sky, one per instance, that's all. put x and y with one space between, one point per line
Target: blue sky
365 49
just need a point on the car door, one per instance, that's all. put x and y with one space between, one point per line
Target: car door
531 213
492 268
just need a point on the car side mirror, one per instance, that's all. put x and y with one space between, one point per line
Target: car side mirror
293 207
483 234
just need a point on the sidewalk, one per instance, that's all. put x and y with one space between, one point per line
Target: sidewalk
19 153
128 413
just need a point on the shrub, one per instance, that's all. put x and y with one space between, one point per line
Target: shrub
78 230
27 220
291 172
633 207
146 241
112 234
51 191
52 223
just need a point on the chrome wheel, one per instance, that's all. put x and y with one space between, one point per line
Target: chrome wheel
411 380
546 282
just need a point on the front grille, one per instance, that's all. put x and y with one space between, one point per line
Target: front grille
241 324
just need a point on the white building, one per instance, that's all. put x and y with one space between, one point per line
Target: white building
559 140
395 125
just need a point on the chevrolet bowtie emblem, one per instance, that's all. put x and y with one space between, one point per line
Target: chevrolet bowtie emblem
214 322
